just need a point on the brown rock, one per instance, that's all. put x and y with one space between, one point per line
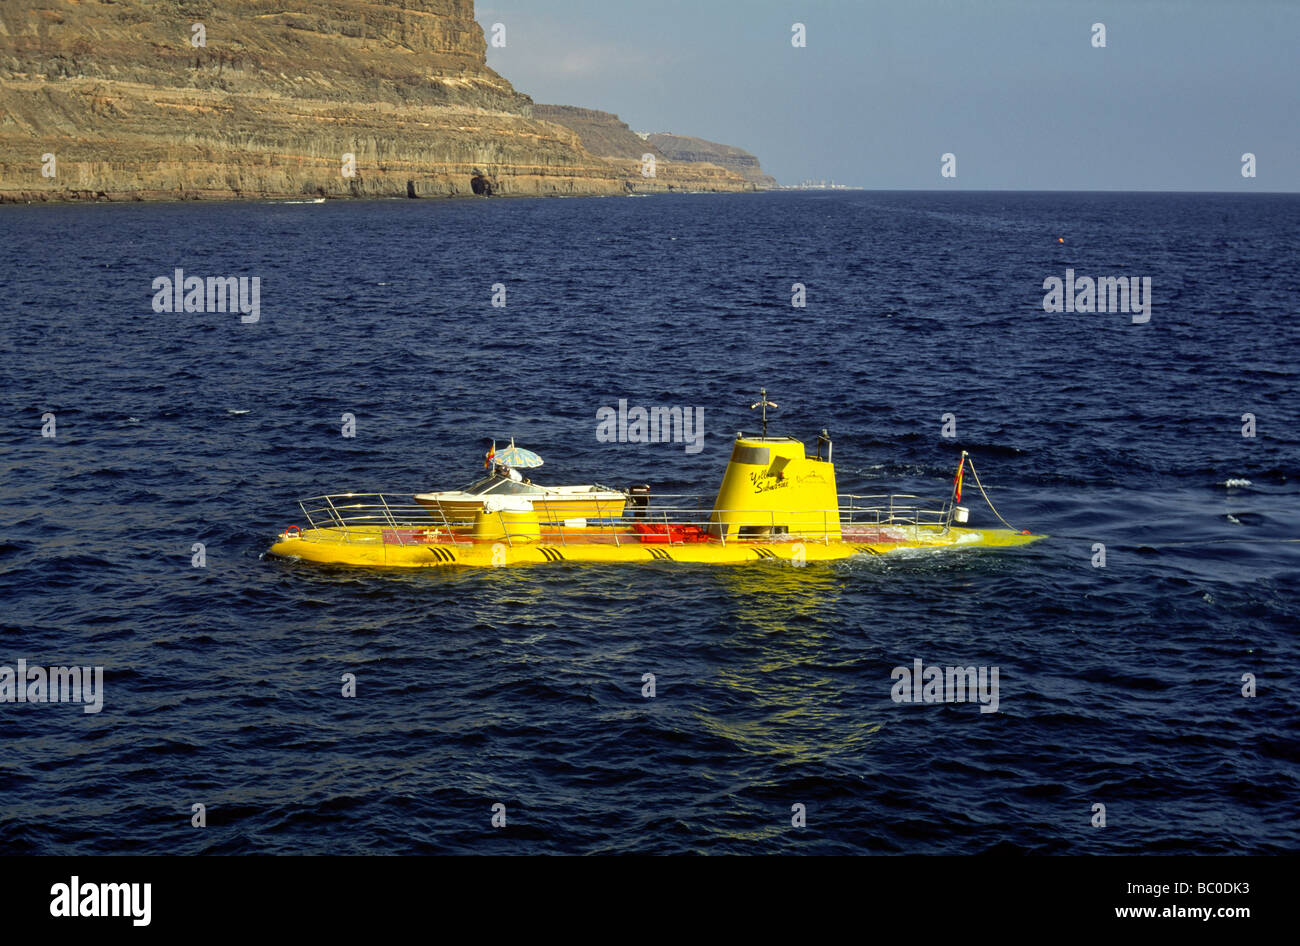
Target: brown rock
682 148
273 102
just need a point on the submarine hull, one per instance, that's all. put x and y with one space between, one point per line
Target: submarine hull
389 548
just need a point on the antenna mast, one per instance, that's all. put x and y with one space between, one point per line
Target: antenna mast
764 403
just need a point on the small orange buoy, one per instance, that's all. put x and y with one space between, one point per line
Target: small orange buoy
1060 239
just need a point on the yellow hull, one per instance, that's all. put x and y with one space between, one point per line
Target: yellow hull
375 546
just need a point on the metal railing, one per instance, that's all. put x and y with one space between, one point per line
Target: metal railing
387 518
886 509
377 517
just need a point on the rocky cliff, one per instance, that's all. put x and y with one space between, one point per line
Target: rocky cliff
142 99
682 148
601 133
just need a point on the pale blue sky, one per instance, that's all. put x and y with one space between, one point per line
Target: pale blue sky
1013 88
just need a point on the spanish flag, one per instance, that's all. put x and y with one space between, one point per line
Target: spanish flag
956 482
490 456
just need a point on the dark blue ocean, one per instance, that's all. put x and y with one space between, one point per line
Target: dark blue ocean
1119 685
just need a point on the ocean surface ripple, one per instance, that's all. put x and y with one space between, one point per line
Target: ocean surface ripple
1119 685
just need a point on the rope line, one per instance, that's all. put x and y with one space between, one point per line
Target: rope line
986 496
1093 538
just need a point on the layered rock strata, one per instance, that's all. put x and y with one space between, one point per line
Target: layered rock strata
167 99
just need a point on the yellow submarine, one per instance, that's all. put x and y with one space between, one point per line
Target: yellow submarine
776 503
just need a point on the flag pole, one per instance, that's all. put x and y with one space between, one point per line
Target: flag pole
956 488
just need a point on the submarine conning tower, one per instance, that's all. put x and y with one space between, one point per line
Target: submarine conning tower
772 488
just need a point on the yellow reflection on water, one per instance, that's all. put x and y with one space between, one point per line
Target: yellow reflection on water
780 598
793 686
